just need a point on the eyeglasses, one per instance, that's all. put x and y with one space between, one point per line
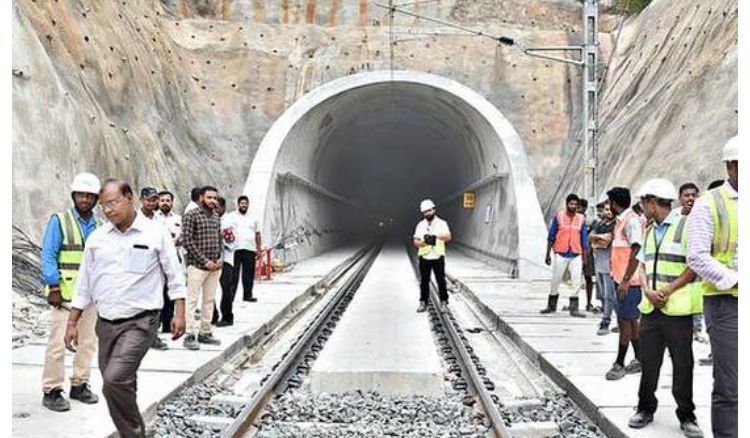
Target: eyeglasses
113 203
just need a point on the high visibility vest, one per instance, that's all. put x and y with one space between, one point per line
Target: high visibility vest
664 262
71 252
568 233
439 248
620 253
724 245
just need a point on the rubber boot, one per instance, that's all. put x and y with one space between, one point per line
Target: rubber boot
551 304
574 308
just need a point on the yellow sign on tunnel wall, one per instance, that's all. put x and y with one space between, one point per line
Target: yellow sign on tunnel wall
470 200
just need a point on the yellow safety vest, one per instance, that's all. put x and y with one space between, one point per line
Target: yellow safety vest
439 247
664 263
71 252
724 245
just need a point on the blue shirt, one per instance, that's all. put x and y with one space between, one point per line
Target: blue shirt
660 229
52 241
552 235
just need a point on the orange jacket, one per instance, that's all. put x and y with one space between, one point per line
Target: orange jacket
569 233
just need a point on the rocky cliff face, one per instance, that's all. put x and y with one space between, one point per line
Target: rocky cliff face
179 93
670 97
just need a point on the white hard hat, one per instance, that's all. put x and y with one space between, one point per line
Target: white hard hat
426 204
730 152
658 187
86 183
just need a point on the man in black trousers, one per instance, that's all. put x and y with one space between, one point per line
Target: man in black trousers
247 246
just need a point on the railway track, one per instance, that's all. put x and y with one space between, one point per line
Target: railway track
281 407
298 359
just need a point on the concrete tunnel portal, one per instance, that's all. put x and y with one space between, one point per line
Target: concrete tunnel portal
368 147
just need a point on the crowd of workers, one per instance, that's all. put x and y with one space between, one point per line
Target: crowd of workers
658 267
119 281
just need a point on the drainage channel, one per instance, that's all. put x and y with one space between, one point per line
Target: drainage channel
529 402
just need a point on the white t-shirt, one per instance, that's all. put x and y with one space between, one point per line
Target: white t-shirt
437 226
191 206
245 226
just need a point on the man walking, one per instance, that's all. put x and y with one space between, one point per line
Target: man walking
600 238
712 254
627 239
122 272
667 306
173 222
62 250
247 246
568 236
429 238
201 237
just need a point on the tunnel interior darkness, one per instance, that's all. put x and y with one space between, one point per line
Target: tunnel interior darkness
370 153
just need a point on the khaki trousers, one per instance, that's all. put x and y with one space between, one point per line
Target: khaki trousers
53 376
201 287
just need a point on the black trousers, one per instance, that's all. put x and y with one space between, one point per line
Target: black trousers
425 268
675 333
167 312
244 263
721 324
227 291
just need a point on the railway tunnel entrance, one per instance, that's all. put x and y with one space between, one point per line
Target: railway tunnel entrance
367 148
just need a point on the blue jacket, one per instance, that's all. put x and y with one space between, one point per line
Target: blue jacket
52 242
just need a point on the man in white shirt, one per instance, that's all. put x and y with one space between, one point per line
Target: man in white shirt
149 205
429 238
195 196
173 222
228 272
246 248
122 271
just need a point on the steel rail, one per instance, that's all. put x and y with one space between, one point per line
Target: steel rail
269 388
475 383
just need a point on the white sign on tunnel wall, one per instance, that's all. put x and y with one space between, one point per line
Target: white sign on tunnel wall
488 213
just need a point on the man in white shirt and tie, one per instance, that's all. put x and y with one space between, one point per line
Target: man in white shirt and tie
123 267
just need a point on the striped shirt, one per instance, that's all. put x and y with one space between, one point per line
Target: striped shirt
201 237
700 225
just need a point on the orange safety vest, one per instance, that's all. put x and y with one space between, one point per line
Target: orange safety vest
568 233
620 254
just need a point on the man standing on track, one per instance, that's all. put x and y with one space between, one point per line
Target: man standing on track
429 238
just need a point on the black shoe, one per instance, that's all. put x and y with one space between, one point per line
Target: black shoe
54 401
551 304
158 344
83 394
208 338
190 343
640 419
251 299
574 308
224 323
706 361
